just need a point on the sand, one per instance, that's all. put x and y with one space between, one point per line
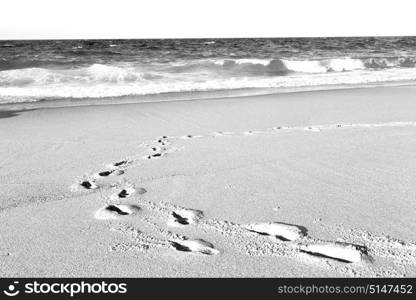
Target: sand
302 184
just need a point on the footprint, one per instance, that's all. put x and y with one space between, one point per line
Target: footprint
279 128
105 173
283 231
222 133
163 140
114 172
195 246
344 252
118 164
155 155
125 193
88 184
314 129
185 217
190 136
158 151
113 211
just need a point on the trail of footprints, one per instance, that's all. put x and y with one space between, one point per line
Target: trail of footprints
356 255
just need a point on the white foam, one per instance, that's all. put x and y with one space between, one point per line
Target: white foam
99 81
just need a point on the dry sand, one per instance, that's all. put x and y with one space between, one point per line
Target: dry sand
301 184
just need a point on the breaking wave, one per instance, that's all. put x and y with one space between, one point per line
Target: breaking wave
138 78
283 66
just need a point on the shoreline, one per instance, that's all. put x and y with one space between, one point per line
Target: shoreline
189 96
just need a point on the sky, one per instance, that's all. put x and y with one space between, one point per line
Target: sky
79 19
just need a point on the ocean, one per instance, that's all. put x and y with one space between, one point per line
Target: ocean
102 71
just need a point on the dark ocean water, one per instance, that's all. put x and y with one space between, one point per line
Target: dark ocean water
32 71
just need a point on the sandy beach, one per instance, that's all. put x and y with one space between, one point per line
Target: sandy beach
300 184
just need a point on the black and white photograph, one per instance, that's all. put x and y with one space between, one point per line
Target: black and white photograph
207 139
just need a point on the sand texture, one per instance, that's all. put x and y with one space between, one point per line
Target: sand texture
300 184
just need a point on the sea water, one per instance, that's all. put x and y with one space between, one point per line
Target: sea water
99 71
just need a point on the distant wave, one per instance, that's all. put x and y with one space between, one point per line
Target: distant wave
283 66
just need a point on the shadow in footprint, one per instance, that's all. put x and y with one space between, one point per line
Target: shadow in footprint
283 231
185 217
180 247
105 173
89 185
112 211
339 251
120 163
117 210
123 194
156 155
194 246
110 172
180 219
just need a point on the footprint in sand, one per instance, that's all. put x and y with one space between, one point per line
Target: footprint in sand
155 155
119 164
114 172
190 136
185 217
343 252
282 231
163 141
88 184
195 246
114 211
125 193
275 128
313 129
252 132
156 152
222 133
